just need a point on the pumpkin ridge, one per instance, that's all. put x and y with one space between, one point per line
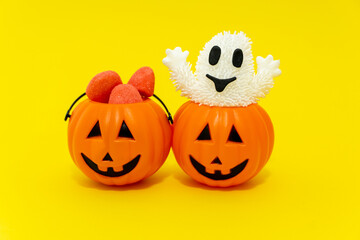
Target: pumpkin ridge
153 128
73 121
181 109
266 135
178 140
158 117
180 114
80 116
256 120
269 128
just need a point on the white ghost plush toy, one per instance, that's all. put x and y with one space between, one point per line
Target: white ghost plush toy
224 75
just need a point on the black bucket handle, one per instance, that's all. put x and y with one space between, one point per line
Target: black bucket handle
166 109
82 95
72 105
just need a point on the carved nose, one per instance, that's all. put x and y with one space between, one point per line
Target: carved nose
216 161
107 157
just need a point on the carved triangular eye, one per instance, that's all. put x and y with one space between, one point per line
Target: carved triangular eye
205 134
124 131
234 136
95 131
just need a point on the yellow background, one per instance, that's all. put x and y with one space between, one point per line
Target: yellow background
309 189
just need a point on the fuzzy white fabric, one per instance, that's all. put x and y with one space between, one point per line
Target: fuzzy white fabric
245 90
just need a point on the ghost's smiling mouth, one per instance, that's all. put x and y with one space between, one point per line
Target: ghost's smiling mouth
220 84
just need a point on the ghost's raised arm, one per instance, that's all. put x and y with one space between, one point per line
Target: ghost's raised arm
180 70
267 69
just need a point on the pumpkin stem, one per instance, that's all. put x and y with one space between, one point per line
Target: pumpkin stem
168 112
72 105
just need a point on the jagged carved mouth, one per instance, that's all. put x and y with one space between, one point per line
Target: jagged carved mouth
217 174
128 167
220 84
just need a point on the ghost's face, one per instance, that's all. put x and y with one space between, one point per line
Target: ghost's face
225 65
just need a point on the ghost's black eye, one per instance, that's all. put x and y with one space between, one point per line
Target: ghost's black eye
95 131
125 131
214 55
237 58
205 134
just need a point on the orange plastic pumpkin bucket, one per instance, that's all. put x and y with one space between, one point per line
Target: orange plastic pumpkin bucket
118 144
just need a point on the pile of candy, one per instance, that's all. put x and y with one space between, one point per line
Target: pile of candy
107 87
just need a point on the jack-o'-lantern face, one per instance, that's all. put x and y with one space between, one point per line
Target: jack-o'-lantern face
118 144
216 166
222 146
107 163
